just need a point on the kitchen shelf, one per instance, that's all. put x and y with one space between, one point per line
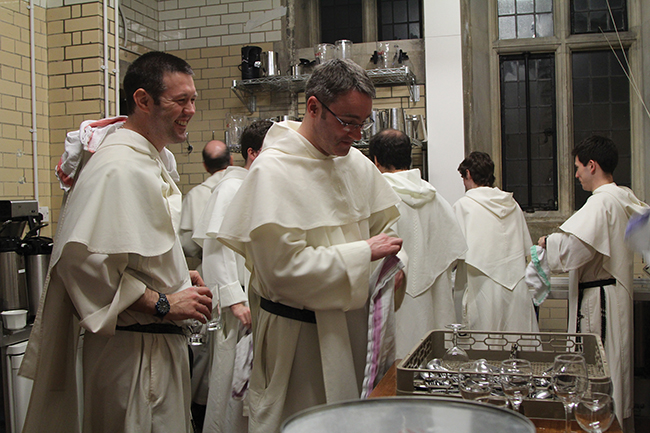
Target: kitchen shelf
246 90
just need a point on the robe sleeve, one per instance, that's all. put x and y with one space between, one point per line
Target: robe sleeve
220 271
318 278
566 252
99 286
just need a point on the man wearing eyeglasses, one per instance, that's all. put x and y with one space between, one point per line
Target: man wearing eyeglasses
312 220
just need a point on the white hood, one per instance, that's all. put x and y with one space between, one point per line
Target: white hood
500 203
409 187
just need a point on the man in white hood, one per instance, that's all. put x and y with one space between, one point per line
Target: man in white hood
432 239
591 247
496 297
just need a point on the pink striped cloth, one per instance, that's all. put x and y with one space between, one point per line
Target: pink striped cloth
381 323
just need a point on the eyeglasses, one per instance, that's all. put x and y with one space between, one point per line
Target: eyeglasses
349 127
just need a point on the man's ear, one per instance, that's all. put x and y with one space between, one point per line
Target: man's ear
592 166
143 100
312 106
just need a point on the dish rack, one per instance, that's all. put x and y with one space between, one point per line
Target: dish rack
540 348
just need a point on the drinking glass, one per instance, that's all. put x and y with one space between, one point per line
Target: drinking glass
455 353
196 332
569 381
474 381
516 377
216 323
595 412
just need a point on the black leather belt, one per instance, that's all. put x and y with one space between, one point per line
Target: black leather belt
153 328
603 303
278 309
599 283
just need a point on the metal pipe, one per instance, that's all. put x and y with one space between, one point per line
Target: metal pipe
105 65
117 57
32 53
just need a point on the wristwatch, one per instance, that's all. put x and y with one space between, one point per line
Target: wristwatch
162 306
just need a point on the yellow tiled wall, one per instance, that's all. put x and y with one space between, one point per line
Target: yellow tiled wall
16 144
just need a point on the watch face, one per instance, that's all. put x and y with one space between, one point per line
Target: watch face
162 306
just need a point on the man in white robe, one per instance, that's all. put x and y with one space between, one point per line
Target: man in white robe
311 219
225 274
432 239
496 296
118 271
591 247
216 159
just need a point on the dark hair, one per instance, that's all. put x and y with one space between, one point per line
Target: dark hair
214 163
147 72
337 77
392 148
599 149
253 136
480 167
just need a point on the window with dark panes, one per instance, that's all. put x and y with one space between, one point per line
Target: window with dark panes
399 19
601 105
528 130
341 19
594 16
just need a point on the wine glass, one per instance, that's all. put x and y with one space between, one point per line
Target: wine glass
516 377
196 332
455 353
569 381
595 412
474 380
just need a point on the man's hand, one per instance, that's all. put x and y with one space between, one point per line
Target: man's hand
542 242
197 281
191 303
243 313
383 245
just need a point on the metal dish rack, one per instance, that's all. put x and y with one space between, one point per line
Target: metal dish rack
413 378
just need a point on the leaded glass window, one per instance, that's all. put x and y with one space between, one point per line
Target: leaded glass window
594 16
519 19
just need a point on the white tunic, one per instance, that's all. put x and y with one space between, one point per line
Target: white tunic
433 242
591 247
498 241
193 204
301 220
224 272
116 237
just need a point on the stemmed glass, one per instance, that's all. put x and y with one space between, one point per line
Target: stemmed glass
196 332
569 381
455 353
475 380
516 377
595 412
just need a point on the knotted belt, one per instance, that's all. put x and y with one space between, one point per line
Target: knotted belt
603 303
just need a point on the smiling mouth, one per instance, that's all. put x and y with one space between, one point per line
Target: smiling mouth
182 122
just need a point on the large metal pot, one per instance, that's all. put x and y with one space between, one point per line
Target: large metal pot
408 414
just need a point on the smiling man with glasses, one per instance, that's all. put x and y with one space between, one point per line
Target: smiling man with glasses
312 220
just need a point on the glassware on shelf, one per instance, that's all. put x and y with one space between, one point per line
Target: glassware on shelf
569 382
516 377
455 354
595 412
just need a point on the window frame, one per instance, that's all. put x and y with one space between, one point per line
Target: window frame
563 44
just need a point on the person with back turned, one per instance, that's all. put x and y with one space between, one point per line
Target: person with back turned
432 239
118 272
311 219
591 247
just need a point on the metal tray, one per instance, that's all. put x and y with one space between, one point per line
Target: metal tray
538 348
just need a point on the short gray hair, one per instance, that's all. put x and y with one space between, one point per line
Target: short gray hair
337 77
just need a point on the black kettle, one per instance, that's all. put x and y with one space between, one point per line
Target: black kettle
251 62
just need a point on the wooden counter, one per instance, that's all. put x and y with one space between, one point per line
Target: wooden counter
387 387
